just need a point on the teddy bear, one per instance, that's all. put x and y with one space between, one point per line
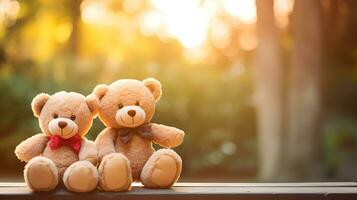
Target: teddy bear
61 150
125 146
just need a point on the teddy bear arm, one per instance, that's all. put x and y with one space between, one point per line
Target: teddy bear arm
88 152
31 147
167 136
105 143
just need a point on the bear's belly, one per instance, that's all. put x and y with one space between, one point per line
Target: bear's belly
63 157
138 151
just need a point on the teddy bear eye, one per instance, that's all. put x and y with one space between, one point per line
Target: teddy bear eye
55 115
137 103
73 117
120 106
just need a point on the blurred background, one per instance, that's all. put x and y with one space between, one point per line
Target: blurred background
265 90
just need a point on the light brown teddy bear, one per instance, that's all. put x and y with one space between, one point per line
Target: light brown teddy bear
125 146
61 150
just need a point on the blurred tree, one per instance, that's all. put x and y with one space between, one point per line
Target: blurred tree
76 20
339 88
269 89
303 144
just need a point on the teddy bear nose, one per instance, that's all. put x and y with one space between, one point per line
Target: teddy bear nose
131 113
62 124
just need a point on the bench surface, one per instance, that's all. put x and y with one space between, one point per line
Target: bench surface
204 191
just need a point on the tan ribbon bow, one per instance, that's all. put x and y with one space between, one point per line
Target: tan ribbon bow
126 134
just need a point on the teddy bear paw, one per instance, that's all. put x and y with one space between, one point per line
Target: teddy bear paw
115 173
162 169
81 176
41 174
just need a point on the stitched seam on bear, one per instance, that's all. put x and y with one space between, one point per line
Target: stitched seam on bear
177 169
127 171
69 175
47 188
176 174
67 180
126 183
103 177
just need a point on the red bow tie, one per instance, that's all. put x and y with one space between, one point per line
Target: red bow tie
74 142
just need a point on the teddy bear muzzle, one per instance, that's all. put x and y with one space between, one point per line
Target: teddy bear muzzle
130 116
63 127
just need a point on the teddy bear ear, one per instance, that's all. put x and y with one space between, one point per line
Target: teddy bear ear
100 91
93 103
38 102
154 87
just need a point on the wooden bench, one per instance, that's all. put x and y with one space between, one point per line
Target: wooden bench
204 191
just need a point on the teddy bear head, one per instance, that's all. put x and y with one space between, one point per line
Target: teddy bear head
65 113
127 103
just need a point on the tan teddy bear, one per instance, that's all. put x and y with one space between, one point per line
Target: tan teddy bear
61 150
125 146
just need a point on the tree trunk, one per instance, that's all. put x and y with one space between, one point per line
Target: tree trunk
304 92
269 92
75 10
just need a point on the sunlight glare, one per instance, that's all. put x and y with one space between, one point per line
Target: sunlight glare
244 10
93 12
8 11
184 20
197 54
220 34
150 23
282 9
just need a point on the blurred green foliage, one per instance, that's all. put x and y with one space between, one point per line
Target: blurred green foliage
212 106
339 145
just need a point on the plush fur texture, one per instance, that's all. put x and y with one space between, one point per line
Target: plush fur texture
115 171
128 104
162 169
45 166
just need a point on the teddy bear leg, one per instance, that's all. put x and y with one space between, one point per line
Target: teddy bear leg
162 169
41 174
81 176
115 173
